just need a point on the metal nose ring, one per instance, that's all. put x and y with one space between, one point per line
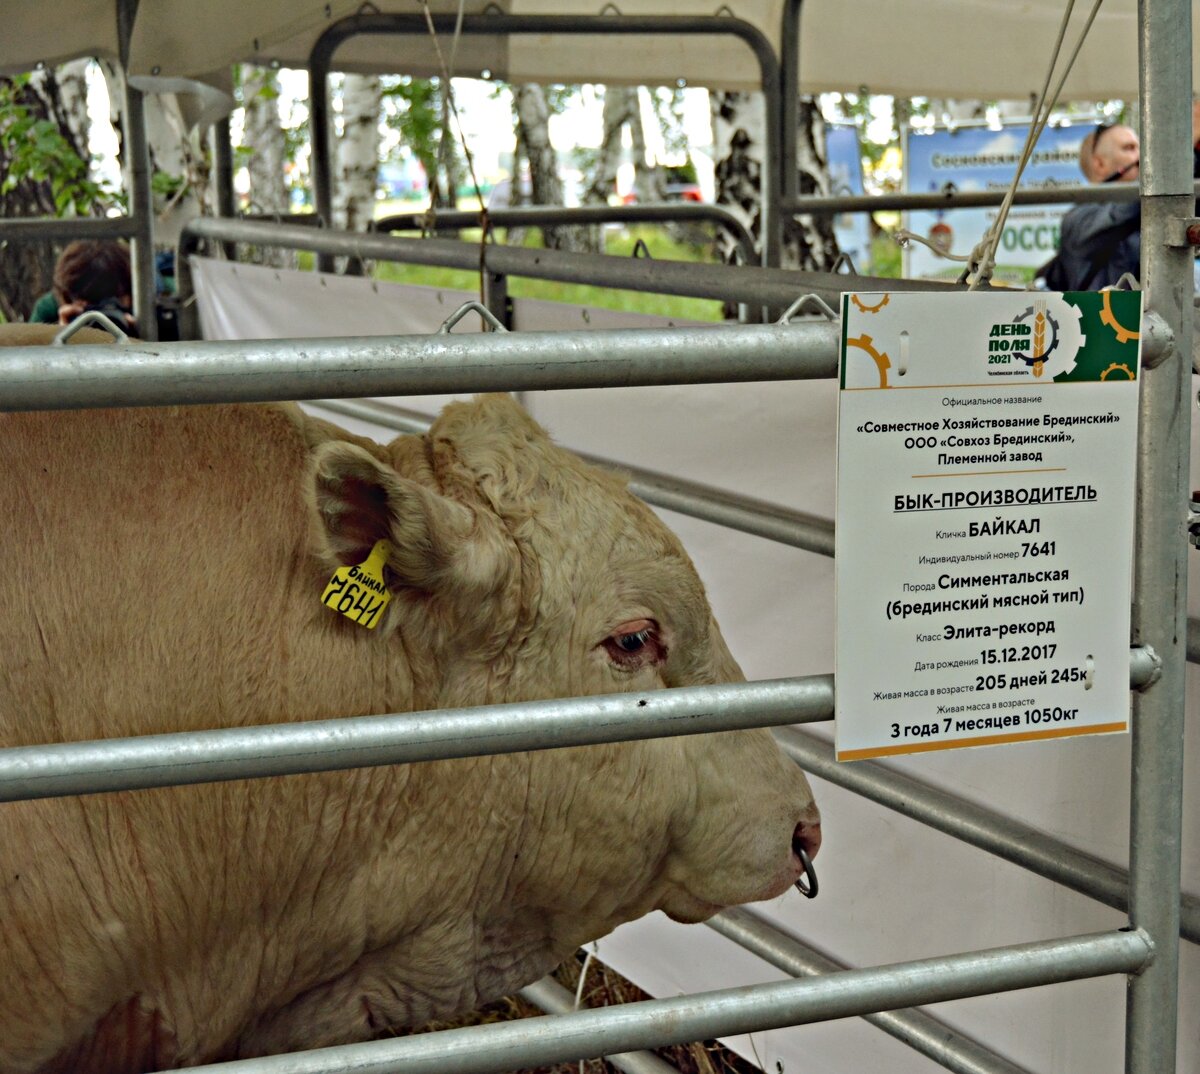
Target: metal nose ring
809 889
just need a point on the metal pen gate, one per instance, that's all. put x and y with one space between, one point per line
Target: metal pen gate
139 374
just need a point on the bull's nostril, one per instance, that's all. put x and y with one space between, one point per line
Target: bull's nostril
807 836
806 841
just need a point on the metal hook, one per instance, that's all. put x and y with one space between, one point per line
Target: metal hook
640 249
809 890
610 9
466 308
368 8
725 9
90 317
1127 282
807 300
844 259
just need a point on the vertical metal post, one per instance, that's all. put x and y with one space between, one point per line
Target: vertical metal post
1160 568
222 147
322 151
141 203
789 79
495 295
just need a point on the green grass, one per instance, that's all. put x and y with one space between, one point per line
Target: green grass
617 243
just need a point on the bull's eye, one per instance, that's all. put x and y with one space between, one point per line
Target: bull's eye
635 645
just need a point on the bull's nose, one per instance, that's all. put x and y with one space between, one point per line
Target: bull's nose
808 836
806 841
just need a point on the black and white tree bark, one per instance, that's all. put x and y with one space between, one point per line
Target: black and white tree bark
357 162
533 126
264 147
739 143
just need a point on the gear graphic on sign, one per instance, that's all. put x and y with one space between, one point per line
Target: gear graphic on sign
1124 335
1065 328
870 309
1030 359
1117 367
882 362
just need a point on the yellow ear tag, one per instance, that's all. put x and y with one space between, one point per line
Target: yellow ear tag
359 592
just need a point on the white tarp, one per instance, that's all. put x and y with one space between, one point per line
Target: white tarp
991 49
891 889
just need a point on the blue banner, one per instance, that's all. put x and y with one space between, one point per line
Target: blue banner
852 230
980 158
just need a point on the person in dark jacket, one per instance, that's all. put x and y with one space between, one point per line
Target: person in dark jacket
1099 242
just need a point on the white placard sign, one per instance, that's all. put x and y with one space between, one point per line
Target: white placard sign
986 463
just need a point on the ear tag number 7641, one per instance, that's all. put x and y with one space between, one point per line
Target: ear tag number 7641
359 591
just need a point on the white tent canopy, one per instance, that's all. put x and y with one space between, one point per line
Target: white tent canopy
991 49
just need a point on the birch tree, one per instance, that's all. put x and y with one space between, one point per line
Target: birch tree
264 149
739 141
533 124
357 165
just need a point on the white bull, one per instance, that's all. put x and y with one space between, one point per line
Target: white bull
165 571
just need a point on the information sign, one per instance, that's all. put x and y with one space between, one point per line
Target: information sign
986 463
970 159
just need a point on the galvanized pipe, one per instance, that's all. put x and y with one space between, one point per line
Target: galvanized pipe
507 1046
1161 545
729 509
977 825
756 286
549 996
930 1036
141 198
827 205
139 374
222 149
41 229
320 63
186 757
537 215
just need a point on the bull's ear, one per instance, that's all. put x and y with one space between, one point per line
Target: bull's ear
360 500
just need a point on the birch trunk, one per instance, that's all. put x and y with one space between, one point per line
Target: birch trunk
739 141
620 110
533 120
357 164
262 136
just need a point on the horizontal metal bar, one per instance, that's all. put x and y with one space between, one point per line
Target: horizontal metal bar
185 757
548 995
918 1029
725 283
977 825
49 228
538 215
143 374
960 199
506 1046
744 513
